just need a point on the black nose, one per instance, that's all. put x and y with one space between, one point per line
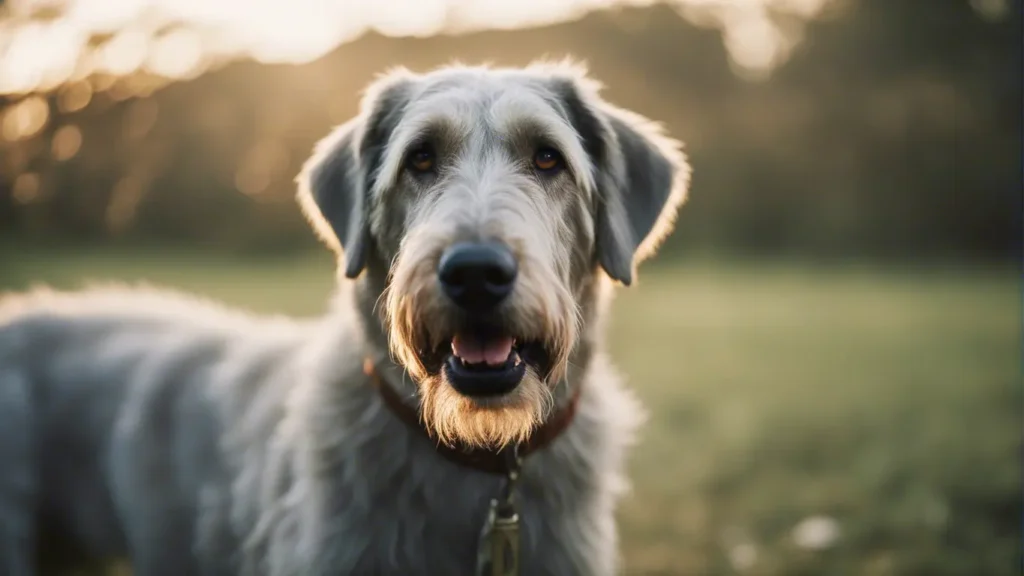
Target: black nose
477 276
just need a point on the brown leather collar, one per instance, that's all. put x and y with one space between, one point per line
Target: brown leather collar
482 459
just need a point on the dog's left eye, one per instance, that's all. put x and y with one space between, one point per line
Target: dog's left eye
547 159
421 159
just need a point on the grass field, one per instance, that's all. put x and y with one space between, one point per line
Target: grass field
802 421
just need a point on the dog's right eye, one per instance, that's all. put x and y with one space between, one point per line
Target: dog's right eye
547 159
421 159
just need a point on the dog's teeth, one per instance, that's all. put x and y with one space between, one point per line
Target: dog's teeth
515 359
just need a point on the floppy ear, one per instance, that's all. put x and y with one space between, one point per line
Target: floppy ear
641 178
335 183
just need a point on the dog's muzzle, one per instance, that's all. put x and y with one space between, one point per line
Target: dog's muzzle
485 359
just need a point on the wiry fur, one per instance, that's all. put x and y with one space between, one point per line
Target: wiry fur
198 440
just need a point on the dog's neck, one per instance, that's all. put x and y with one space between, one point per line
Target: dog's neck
485 459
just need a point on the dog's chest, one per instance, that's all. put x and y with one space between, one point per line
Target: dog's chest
379 499
431 522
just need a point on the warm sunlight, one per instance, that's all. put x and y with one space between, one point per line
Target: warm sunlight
47 43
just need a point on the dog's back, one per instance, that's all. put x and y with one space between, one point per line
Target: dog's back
108 425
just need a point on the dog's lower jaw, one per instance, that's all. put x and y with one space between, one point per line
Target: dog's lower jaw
454 418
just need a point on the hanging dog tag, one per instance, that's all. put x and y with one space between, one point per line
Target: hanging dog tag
498 549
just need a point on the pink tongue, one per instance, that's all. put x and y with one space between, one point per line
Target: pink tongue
493 351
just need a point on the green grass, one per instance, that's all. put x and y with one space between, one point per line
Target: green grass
887 401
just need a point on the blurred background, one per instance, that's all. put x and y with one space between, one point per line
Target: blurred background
828 344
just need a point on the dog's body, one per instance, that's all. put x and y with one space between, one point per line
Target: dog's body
175 432
196 440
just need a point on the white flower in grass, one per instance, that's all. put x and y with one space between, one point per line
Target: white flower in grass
816 533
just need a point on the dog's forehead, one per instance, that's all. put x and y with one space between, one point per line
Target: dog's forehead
475 100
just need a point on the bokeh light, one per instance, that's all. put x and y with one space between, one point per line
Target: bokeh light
67 140
26 187
25 119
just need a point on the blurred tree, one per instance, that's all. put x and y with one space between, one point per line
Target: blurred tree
894 130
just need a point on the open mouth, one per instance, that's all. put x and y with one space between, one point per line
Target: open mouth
484 360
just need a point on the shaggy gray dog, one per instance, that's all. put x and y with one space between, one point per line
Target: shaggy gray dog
481 217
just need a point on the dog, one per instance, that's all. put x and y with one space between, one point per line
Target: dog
482 217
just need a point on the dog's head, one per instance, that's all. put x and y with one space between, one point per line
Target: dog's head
492 198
